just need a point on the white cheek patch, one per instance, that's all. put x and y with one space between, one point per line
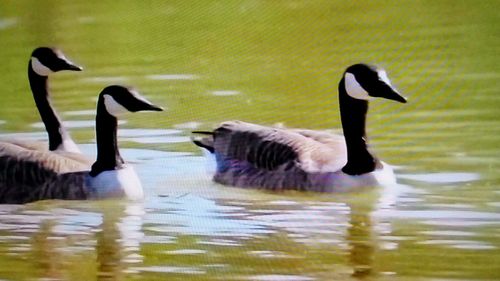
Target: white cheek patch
39 68
354 89
382 75
113 107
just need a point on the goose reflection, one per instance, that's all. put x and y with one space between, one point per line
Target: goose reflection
118 241
361 240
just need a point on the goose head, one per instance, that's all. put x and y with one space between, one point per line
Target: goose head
118 100
365 82
46 60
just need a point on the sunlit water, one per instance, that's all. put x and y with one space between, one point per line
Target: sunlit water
271 63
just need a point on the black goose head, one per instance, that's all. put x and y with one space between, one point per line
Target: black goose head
364 82
45 60
119 99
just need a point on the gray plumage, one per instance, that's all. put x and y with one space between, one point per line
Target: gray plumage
23 181
250 155
55 161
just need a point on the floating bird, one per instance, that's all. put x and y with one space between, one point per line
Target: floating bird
250 155
23 180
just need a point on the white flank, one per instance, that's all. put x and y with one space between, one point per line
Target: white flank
117 183
354 89
39 68
113 107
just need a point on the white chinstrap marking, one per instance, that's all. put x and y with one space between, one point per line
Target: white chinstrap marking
39 68
113 107
354 89
123 182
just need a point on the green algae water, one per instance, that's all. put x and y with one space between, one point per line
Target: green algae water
273 63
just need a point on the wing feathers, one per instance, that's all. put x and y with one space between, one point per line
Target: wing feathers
270 148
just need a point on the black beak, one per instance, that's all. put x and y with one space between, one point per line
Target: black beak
388 92
153 107
144 105
65 64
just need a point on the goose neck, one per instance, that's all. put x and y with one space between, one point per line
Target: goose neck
108 154
353 117
41 95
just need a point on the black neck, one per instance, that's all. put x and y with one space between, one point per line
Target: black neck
53 125
108 155
353 116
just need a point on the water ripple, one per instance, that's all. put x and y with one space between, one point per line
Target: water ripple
172 77
442 177
280 277
7 22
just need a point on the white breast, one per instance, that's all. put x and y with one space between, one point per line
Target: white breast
117 183
381 177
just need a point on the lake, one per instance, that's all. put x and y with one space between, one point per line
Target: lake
272 63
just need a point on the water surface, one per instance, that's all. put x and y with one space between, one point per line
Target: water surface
270 62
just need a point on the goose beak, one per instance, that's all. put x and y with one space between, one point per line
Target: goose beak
153 107
65 64
390 93
71 66
144 105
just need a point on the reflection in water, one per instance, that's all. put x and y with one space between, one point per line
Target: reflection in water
31 136
193 235
64 239
172 77
45 251
118 241
107 80
448 178
7 23
361 242
188 125
431 229
89 112
225 93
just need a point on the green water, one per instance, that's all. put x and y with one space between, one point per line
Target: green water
269 62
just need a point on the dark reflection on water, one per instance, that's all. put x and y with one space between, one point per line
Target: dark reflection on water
175 234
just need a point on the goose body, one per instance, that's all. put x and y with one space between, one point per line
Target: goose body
24 180
250 155
62 154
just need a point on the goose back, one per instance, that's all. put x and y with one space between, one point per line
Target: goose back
250 155
58 162
23 181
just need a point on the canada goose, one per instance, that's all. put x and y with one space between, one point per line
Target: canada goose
23 181
63 154
249 155
43 62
